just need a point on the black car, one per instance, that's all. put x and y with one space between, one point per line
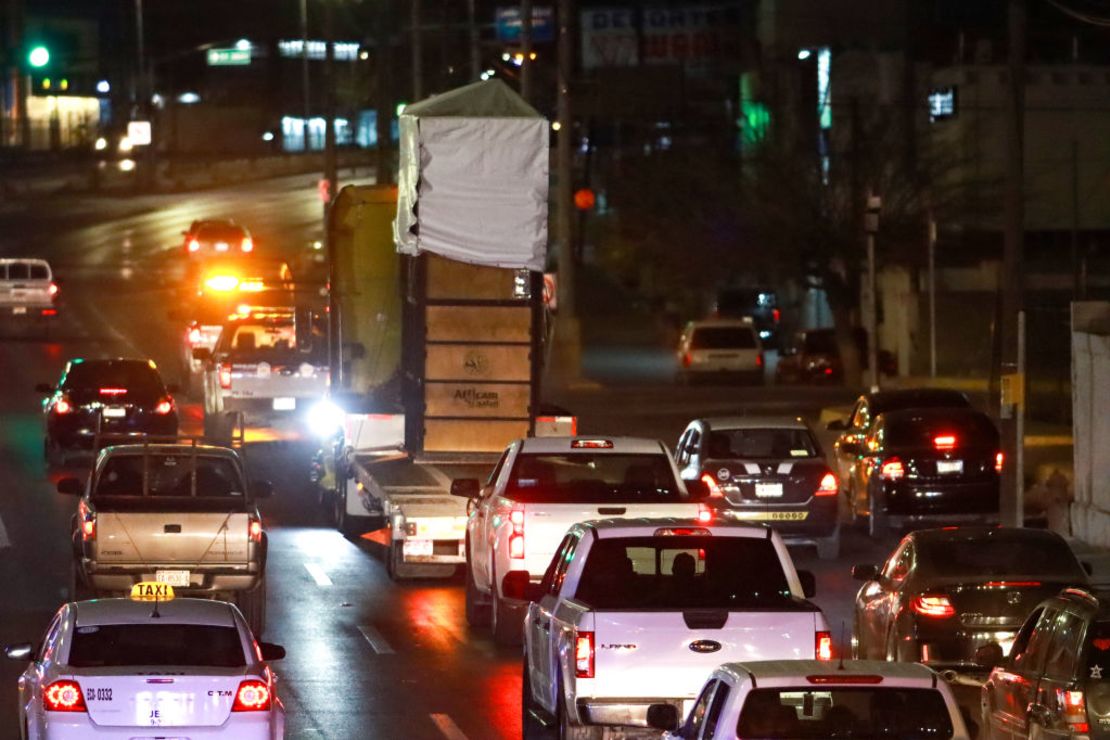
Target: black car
944 593
1055 681
926 465
765 469
104 398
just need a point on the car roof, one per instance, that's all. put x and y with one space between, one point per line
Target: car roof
170 448
793 672
647 526
621 445
178 611
755 422
23 260
915 398
948 534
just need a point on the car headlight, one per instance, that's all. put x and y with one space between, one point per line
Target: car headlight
325 419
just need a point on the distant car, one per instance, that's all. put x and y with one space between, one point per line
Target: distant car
28 291
766 469
720 350
789 699
1056 677
125 668
813 356
105 398
217 236
758 304
944 593
922 465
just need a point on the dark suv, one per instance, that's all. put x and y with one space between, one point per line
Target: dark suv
1056 680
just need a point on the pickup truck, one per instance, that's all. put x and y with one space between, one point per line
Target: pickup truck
28 291
181 514
635 613
539 488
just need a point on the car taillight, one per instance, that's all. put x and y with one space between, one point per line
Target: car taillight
823 646
584 655
194 335
933 605
711 483
52 290
1074 704
63 696
705 514
194 245
999 458
247 244
49 312
759 360
829 486
776 315
892 470
254 530
88 529
516 539
253 696
63 406
164 406
225 376
687 359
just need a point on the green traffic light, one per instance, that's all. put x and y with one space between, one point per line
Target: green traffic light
39 57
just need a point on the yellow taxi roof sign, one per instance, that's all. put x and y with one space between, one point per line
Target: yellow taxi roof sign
152 591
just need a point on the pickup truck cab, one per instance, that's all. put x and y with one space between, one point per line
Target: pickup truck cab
543 486
635 613
180 514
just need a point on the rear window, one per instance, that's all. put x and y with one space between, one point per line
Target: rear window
216 478
723 337
969 430
998 556
683 572
220 232
111 645
19 271
593 478
820 342
747 444
275 341
856 712
137 377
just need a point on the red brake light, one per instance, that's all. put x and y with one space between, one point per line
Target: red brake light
255 530
49 312
705 514
194 245
253 696
1012 584
584 655
225 376
1075 710
845 679
823 646
164 406
711 483
62 406
892 470
247 245
63 696
683 532
113 391
944 441
999 458
88 530
829 486
687 359
516 546
776 315
931 605
52 290
759 360
592 444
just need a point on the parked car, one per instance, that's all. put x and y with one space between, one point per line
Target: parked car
720 350
813 357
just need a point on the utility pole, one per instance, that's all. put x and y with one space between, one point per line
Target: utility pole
871 226
1075 272
417 52
526 50
384 174
932 237
567 337
304 69
331 175
472 32
1011 275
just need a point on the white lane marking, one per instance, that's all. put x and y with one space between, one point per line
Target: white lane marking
448 727
4 541
380 644
317 574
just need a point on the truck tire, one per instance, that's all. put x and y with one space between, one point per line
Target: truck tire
349 526
505 623
531 727
395 562
253 605
565 730
477 605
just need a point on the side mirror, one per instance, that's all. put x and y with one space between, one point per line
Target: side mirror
202 354
21 651
271 651
865 572
989 655
837 425
44 388
173 388
466 487
698 489
262 489
663 717
809 583
518 585
70 486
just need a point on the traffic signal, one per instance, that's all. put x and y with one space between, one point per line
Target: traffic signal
38 57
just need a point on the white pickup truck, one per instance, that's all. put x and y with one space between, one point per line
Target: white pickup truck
538 490
635 613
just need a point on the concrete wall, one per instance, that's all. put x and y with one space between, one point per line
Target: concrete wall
1090 512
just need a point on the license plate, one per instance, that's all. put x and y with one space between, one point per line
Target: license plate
178 578
770 516
114 412
418 548
948 467
19 310
285 404
768 490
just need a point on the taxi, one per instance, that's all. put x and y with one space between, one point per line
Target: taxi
148 666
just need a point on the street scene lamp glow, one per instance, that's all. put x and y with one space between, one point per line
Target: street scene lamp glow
39 57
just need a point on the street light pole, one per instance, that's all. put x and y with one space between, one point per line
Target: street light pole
526 50
871 226
304 68
417 52
567 336
141 99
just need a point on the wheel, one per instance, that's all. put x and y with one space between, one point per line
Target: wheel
876 520
253 605
505 623
531 728
477 605
349 526
828 548
78 590
565 729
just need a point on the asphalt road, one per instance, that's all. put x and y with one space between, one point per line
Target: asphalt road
366 658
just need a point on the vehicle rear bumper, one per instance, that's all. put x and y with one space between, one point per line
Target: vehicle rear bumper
28 312
803 522
244 725
935 646
912 500
81 433
628 712
207 581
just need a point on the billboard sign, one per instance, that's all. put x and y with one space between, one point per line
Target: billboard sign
688 36
508 24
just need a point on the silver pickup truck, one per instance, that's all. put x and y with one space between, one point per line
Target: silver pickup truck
181 514
28 291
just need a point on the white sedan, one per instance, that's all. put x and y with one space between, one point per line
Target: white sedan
139 667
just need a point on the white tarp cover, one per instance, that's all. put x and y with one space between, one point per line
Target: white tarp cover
473 178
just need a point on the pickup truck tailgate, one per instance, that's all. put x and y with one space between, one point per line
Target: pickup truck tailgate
156 537
670 653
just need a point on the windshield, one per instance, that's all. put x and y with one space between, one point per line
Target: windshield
169 475
723 337
683 572
857 712
274 341
593 478
109 645
220 232
771 444
999 555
